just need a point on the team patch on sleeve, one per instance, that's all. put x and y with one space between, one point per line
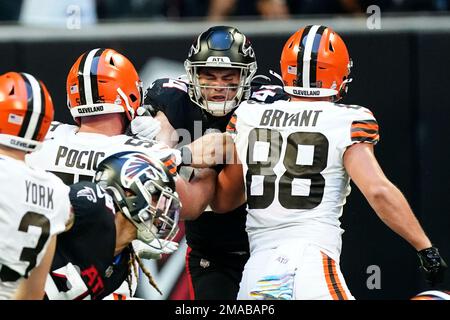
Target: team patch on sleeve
231 127
365 131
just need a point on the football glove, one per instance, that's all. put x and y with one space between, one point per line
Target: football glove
144 126
154 250
432 265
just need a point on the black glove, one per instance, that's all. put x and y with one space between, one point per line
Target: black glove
432 265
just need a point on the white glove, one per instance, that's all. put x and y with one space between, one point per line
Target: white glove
155 249
145 127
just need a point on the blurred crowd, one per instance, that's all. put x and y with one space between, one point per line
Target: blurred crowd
213 10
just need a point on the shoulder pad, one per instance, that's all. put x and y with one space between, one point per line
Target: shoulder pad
59 129
90 201
268 93
163 90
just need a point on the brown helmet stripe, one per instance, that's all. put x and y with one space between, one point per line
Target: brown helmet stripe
29 112
81 79
314 54
94 72
31 122
42 113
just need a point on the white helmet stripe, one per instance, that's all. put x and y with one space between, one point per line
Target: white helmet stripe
87 76
37 106
307 55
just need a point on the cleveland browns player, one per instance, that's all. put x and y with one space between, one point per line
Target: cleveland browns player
297 159
34 204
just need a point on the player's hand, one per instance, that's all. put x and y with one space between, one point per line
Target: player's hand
432 265
155 249
144 125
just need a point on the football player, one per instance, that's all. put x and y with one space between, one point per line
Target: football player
104 93
34 204
132 197
220 67
297 160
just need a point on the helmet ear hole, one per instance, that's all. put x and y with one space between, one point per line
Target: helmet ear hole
11 93
133 97
111 62
290 45
331 47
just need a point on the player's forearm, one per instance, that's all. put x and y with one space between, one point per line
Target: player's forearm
393 209
210 150
167 134
230 192
196 194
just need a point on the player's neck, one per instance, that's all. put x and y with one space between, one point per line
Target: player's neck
108 124
12 153
294 98
125 233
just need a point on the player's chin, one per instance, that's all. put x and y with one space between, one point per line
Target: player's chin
218 100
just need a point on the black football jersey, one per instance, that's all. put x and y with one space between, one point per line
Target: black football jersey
211 233
84 266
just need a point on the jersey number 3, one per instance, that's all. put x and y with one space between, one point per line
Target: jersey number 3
261 169
42 222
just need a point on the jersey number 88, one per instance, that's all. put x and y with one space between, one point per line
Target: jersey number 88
256 167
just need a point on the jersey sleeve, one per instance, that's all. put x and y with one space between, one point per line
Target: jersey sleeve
268 93
62 214
363 127
170 97
231 127
365 131
92 207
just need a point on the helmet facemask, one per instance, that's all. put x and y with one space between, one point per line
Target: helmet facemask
144 191
234 93
160 215
220 47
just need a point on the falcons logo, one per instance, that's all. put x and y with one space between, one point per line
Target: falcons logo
138 164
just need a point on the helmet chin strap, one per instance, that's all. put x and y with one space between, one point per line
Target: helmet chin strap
220 108
125 99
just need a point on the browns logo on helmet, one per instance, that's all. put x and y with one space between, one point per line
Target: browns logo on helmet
103 81
26 111
315 63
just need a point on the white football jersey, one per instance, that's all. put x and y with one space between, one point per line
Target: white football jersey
34 205
292 155
73 156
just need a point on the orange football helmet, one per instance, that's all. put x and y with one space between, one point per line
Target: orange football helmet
26 111
103 81
315 63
